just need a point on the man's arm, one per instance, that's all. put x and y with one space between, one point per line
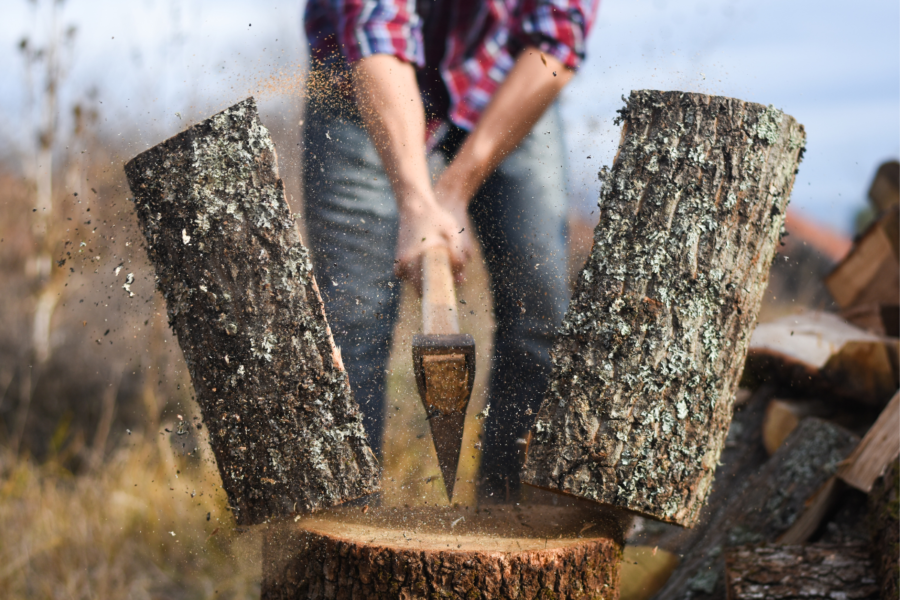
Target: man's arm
392 110
391 106
530 88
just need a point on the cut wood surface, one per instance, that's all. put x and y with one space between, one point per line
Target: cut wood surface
878 449
766 507
498 553
242 299
870 274
814 572
647 363
782 417
817 353
884 525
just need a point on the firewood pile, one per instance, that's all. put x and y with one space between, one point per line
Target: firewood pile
805 498
661 330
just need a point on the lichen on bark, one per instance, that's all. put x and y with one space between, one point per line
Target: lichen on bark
650 352
241 297
767 504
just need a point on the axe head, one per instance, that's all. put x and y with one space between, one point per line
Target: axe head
444 366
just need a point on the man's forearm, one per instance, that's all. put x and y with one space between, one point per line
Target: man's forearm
391 106
530 88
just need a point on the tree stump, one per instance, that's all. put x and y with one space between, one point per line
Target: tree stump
531 552
651 350
816 572
242 299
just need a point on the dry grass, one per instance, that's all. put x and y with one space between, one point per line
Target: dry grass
137 528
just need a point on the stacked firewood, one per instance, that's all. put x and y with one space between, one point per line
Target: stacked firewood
805 498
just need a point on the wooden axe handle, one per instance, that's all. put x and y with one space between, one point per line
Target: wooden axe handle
438 293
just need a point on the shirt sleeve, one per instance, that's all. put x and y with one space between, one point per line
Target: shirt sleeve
368 27
555 27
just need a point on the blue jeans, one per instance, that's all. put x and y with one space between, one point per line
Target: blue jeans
519 215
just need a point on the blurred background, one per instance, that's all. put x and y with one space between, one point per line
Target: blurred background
98 495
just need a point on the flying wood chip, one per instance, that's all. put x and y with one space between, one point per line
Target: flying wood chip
241 297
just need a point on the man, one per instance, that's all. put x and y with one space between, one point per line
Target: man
385 73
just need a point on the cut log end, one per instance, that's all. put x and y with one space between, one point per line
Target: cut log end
498 553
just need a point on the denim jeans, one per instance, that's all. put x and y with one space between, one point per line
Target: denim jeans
519 215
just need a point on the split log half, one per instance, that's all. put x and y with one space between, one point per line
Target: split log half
741 458
647 363
783 416
770 502
880 319
871 272
531 552
816 572
884 524
877 450
820 354
242 299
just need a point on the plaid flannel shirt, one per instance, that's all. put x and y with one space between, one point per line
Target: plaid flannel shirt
480 39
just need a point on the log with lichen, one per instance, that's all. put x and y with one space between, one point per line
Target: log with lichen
650 353
766 506
813 572
502 553
286 433
743 455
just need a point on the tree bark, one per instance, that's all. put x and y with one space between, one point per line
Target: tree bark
648 359
884 525
742 456
536 552
817 571
768 505
241 297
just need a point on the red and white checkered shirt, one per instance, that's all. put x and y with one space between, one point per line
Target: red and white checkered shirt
473 43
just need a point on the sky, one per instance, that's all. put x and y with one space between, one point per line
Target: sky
834 66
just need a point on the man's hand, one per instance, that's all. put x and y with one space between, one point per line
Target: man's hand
425 224
392 111
391 106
